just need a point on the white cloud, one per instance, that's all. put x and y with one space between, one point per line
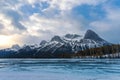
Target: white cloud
69 4
58 25
110 22
6 25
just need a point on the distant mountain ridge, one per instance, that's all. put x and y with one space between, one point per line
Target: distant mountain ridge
70 43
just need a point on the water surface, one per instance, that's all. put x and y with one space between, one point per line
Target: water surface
59 69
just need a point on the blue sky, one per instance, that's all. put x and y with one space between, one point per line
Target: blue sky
30 21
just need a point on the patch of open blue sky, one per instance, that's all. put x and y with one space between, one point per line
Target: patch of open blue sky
89 12
115 3
37 8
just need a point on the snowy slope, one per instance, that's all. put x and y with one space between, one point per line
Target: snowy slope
73 43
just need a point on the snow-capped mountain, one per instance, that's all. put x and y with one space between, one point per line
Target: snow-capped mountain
69 43
72 43
15 47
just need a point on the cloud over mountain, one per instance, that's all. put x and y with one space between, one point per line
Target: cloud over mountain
24 20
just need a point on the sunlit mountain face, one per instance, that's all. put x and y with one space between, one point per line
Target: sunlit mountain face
28 22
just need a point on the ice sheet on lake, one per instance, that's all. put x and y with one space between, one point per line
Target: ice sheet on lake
60 69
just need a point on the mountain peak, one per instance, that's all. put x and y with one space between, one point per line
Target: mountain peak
43 42
15 47
57 38
92 35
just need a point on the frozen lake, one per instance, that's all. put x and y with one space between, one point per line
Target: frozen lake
59 69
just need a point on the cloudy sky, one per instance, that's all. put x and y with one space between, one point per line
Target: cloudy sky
30 21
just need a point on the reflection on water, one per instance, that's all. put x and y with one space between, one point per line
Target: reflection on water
60 69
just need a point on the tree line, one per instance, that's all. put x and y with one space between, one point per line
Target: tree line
109 51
